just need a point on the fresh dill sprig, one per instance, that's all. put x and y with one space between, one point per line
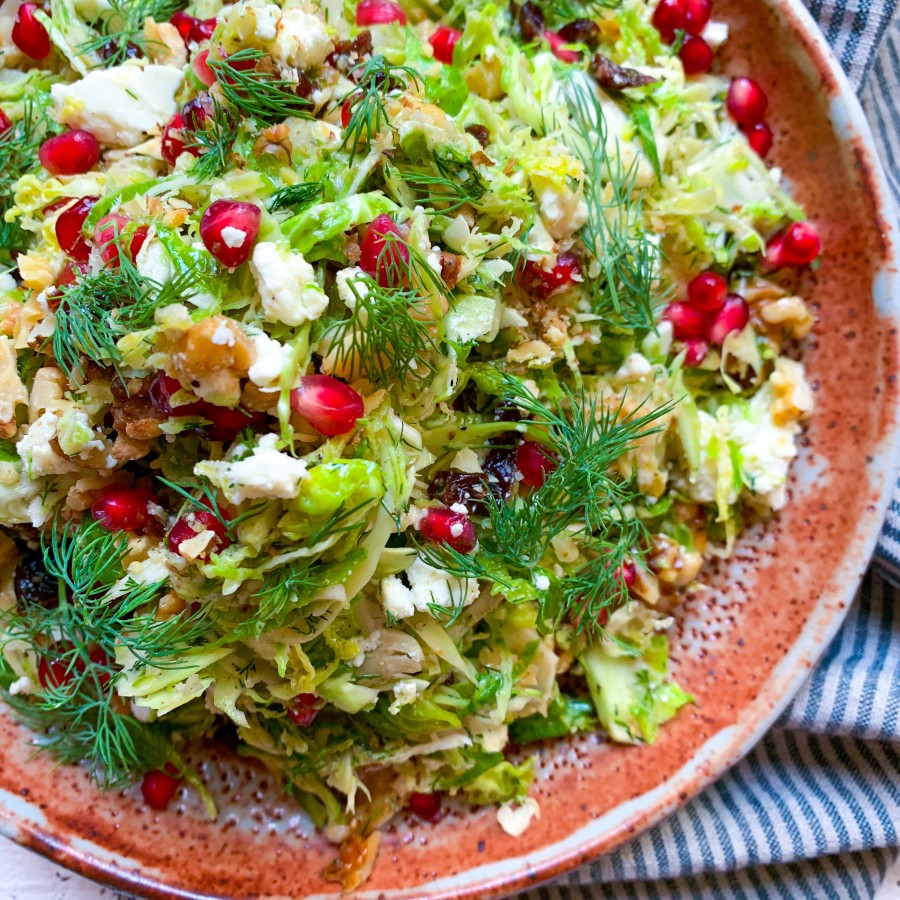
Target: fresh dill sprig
386 336
376 79
582 494
140 314
100 610
259 94
623 294
296 195
214 141
19 145
120 28
457 182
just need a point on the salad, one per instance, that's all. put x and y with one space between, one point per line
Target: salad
376 381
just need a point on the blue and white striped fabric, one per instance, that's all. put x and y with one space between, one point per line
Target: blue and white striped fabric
814 811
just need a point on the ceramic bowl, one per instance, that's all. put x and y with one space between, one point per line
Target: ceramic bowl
742 648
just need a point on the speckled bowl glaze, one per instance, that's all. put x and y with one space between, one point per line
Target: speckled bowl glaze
741 650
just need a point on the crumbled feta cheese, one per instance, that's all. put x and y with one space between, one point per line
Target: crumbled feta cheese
456 529
541 582
37 451
233 237
269 362
345 291
302 40
715 34
153 262
635 367
22 685
223 337
460 508
427 586
265 473
286 284
514 817
267 21
121 106
195 547
152 569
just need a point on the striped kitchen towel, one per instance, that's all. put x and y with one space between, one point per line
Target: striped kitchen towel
814 811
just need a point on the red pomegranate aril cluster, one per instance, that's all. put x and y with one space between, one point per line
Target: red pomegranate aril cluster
56 668
534 464
383 252
304 709
425 806
5 122
68 228
379 12
708 316
202 68
696 55
442 525
795 246
545 282
443 42
172 143
689 16
331 406
28 34
195 522
159 788
229 229
747 104
759 137
193 29
124 509
70 153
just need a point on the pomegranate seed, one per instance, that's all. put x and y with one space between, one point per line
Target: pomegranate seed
557 46
759 137
545 282
124 509
346 113
68 229
696 15
304 710
386 260
67 276
695 352
534 464
172 143
669 16
747 101
162 387
28 34
184 23
196 112
329 405
226 423
696 55
55 667
5 122
425 806
203 29
379 12
70 153
228 229
158 789
106 237
444 526
626 572
443 41
707 292
137 241
687 322
202 68
193 523
733 316
797 245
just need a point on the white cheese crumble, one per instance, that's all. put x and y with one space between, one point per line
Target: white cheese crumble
223 336
514 817
427 586
121 106
233 237
287 285
541 582
266 473
302 40
270 359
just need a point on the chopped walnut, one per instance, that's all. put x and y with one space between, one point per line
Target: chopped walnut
165 46
790 313
671 563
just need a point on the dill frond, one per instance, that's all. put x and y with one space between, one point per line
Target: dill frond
566 10
214 140
376 80
455 182
296 195
624 293
386 336
100 610
120 29
259 94
202 496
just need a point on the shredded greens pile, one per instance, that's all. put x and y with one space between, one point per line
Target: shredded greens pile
506 338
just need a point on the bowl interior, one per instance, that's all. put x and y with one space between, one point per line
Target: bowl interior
742 646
